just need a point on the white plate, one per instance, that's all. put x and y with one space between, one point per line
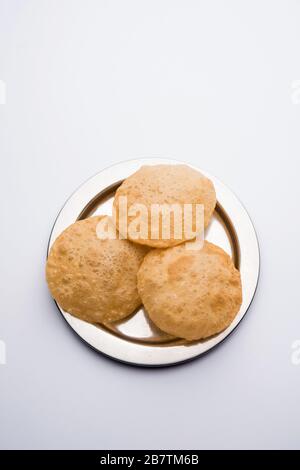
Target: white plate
136 340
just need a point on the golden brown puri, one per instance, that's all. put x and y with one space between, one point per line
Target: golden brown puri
191 294
165 184
93 279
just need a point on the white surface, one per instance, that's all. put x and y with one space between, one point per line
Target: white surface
89 83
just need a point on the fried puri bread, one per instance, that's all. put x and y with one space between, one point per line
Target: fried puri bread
163 185
191 294
91 278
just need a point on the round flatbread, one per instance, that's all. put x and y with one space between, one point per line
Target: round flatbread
152 191
91 278
191 294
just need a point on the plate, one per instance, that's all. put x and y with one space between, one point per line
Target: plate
136 340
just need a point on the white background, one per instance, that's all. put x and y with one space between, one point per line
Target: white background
90 83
